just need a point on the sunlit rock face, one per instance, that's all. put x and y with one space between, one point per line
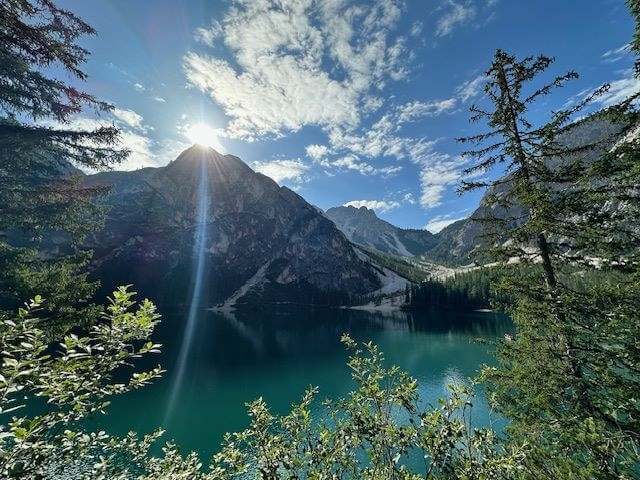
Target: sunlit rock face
263 242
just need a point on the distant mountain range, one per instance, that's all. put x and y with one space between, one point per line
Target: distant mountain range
362 226
254 241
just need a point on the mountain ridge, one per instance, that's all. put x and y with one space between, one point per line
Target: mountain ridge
363 227
252 226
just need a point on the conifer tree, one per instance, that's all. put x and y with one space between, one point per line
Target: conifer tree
45 211
566 379
634 7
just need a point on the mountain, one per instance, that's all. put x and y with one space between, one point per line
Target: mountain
451 246
457 243
362 226
250 239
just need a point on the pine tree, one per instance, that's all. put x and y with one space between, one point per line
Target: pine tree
634 7
566 378
45 211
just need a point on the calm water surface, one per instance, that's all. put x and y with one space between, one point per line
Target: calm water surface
235 358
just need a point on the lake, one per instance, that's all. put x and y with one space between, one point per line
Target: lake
277 354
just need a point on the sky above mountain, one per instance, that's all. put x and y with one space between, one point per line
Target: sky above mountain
345 101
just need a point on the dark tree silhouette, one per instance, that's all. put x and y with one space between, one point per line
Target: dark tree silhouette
45 211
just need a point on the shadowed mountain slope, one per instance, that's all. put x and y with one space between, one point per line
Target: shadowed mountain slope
260 241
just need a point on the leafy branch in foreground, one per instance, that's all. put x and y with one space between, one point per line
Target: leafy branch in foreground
69 382
374 433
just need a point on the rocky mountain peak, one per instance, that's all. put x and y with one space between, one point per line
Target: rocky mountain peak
363 211
364 227
223 168
262 241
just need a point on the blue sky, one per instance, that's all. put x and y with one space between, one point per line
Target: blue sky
345 101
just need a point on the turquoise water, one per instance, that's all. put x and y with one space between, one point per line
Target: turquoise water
236 358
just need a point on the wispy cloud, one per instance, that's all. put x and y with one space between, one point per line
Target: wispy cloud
208 35
416 29
471 88
382 138
437 223
134 136
620 89
355 163
129 117
283 170
417 109
317 152
456 13
441 172
140 146
616 54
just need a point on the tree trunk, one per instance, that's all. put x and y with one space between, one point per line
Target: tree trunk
549 271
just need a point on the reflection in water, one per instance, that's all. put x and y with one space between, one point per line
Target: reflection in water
195 306
232 359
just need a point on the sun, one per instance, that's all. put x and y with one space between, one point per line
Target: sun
203 134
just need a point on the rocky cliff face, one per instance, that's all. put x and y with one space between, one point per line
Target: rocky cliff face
362 226
254 239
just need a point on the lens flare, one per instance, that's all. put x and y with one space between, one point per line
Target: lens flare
197 304
203 134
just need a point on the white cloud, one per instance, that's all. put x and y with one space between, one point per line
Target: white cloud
168 150
381 140
456 14
409 198
416 29
298 63
209 34
281 81
317 152
439 222
141 154
616 54
129 117
160 99
372 103
138 144
620 90
377 205
281 170
353 162
416 109
139 87
439 173
144 151
471 88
